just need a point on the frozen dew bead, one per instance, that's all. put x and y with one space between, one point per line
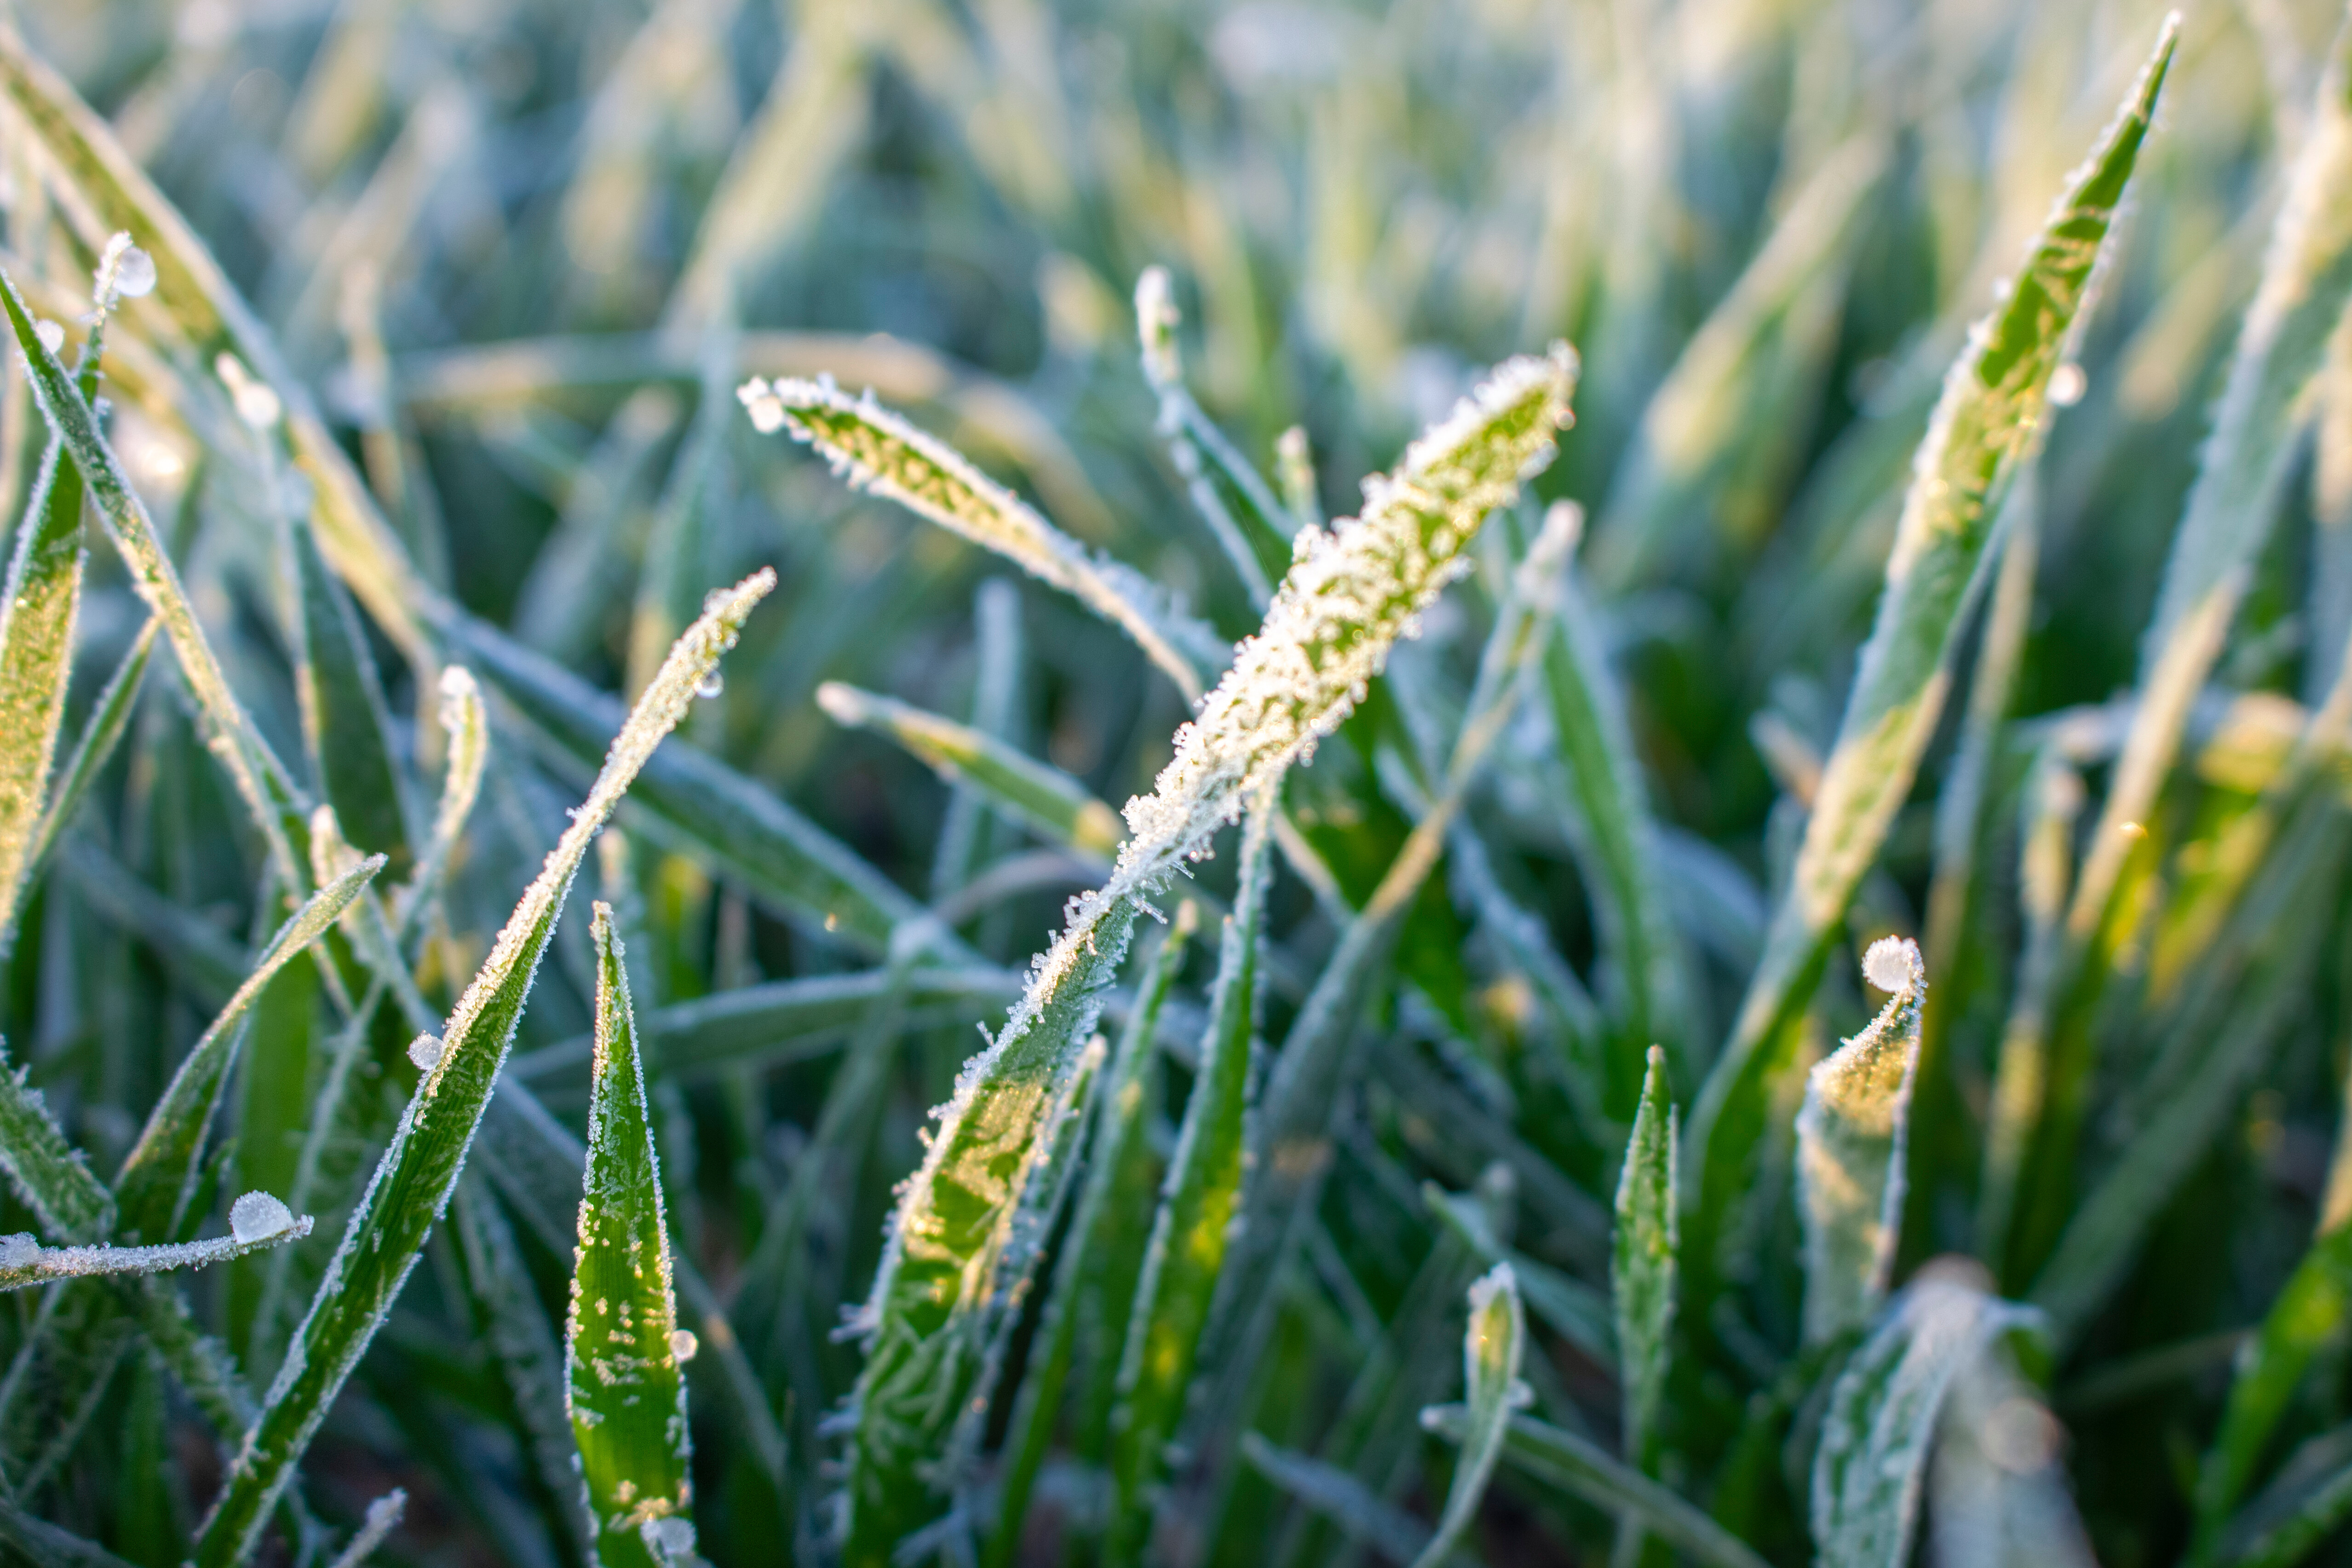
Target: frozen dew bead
1891 963
669 1538
134 276
52 336
258 1217
759 400
425 1050
683 1344
18 1251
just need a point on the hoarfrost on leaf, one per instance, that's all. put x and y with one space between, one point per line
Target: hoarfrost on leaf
17 1250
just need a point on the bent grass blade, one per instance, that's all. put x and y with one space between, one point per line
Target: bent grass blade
1491 1353
24 1261
1642 1265
412 1184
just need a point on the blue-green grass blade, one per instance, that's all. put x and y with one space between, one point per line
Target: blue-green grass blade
1986 425
1492 1350
51 1178
412 1184
1193 1224
37 637
1250 525
622 1343
341 698
1641 1266
1573 1310
92 750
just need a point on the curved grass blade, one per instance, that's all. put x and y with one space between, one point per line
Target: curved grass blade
1060 807
1641 1266
92 750
741 830
37 637
621 1344
465 745
1987 425
51 1176
2297 1512
24 1261
966 832
1361 1513
1997 1492
1249 525
1870 1467
341 699
158 1178
1849 1149
1194 1220
1491 1352
954 1244
1102 1258
412 1185
881 452
384 1516
1575 1310
1577 1467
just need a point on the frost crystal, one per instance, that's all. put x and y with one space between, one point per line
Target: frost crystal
52 336
124 272
258 1217
18 1250
1892 964
669 1538
257 404
759 400
425 1051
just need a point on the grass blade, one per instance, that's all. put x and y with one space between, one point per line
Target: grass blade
1870 1467
883 453
1575 1310
51 1176
24 1261
951 1247
1058 806
2298 1512
1362 1514
91 752
1849 1149
384 1516
1641 1266
341 699
413 1183
1575 1466
1194 1222
621 1346
1491 1352
1987 425
1249 525
37 637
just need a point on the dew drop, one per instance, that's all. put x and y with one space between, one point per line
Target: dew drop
1889 964
425 1051
710 685
683 1344
258 1217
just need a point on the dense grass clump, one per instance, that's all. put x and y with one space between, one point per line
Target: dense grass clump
1725 632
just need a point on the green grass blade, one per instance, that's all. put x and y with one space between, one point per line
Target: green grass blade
883 453
341 698
621 1346
1986 425
1251 529
2296 1513
159 1175
465 745
1575 1310
384 1516
1577 1467
413 1183
738 828
24 1261
51 1176
967 834
1870 1468
1194 1221
92 751
1102 1258
1060 807
1295 468
1850 1150
1641 1266
1362 1514
36 638
1491 1352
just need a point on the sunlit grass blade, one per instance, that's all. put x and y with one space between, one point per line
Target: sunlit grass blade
622 1343
159 1175
880 452
1641 1266
1987 425
36 638
203 306
92 750
1193 1223
412 1185
1059 807
1350 595
1249 525
1849 1149
466 749
1576 1466
1102 1257
51 1176
1998 1494
1871 1466
24 1261
1491 1352
341 698
1611 827
741 830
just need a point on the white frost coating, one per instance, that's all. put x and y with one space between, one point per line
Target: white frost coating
425 1050
382 1515
1893 963
258 1217
878 450
52 336
669 1538
257 403
19 1268
466 728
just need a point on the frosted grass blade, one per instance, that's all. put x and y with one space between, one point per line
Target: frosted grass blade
341 699
204 306
954 1244
1060 807
1986 427
1997 1491
1102 1257
37 637
92 750
621 1344
966 832
384 1516
1870 1467
1491 1352
880 452
412 1185
1362 1514
1249 525
1849 1149
1575 1466
1642 1267
159 1175
2307 281
24 1261
1194 1221
1575 1310
51 1176
743 832
2297 1512
466 747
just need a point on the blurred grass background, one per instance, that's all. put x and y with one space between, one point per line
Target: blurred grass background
525 248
